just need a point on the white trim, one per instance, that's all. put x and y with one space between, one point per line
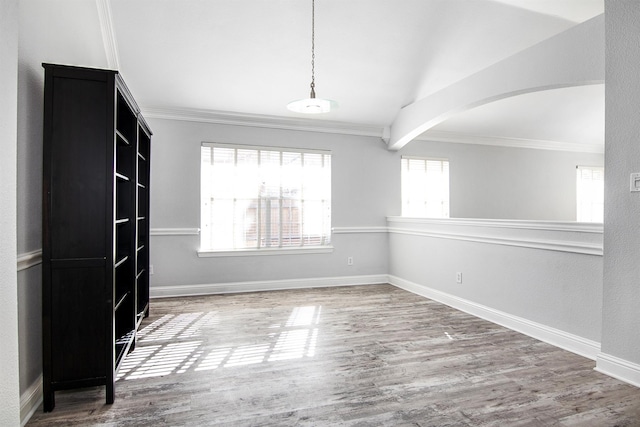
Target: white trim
108 34
570 342
580 227
357 230
325 126
334 230
30 400
29 259
550 245
266 285
501 141
174 231
620 369
297 250
261 121
435 159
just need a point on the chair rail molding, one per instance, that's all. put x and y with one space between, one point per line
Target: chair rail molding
572 237
29 259
174 232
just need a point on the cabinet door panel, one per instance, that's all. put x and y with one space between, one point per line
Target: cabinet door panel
78 323
80 154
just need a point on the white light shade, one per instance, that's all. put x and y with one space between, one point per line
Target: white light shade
312 106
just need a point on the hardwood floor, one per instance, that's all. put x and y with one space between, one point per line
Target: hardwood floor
349 356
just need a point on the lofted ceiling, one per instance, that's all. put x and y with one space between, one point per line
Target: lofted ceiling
249 58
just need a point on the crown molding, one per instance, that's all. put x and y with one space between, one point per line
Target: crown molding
499 141
108 34
343 128
261 121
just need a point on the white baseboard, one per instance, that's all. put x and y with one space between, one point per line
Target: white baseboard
620 369
266 285
30 400
573 343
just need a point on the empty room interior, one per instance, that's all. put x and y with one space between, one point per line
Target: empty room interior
346 212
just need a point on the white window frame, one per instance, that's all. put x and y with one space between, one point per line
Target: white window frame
301 248
427 195
589 194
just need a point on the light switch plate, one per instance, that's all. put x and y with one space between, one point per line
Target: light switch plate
634 183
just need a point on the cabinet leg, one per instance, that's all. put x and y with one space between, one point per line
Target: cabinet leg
48 400
110 393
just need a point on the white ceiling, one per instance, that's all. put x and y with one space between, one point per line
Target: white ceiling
372 56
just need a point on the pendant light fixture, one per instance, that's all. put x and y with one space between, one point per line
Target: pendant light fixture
312 105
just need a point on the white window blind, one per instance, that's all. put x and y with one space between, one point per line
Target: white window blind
590 194
425 187
263 197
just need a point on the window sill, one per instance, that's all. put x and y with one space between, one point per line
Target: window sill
260 252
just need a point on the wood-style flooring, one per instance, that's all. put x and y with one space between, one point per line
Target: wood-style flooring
348 356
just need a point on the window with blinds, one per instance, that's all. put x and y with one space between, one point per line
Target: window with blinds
425 187
590 194
264 197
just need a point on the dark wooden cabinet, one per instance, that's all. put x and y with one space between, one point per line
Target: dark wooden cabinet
95 251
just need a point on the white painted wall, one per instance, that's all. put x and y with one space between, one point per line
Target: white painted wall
9 358
621 304
508 183
364 191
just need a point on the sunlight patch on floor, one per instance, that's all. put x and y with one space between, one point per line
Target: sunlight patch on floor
294 339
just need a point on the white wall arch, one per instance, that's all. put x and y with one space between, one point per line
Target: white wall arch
572 58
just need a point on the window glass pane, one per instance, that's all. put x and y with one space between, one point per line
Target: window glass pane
425 187
264 198
589 194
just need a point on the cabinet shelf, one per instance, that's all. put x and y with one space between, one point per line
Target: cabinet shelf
122 221
121 177
121 300
121 138
123 344
122 261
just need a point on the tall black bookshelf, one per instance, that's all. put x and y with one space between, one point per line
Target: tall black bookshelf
96 152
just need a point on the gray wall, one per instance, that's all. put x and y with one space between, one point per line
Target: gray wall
9 378
522 272
486 182
47 33
509 183
364 191
621 304
366 180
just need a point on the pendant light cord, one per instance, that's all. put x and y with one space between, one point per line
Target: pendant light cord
313 49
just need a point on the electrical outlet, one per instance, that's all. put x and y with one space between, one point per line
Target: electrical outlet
350 260
150 269
458 277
